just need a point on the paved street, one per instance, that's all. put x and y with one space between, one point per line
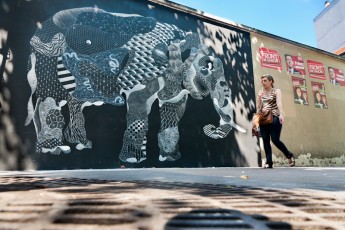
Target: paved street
174 198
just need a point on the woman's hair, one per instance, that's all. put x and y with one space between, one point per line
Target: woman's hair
296 95
269 77
315 97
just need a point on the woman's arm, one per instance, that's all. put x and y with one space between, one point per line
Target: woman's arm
258 101
280 105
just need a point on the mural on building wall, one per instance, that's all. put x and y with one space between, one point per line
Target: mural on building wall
86 56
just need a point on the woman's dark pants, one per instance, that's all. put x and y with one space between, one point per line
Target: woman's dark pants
272 132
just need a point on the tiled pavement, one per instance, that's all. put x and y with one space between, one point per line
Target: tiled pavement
144 199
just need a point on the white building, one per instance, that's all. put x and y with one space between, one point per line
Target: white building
330 26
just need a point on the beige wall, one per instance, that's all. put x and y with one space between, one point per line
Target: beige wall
316 136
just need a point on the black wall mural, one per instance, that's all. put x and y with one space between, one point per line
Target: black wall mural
131 83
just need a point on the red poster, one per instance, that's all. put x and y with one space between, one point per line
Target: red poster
300 91
270 58
294 64
319 93
316 70
336 76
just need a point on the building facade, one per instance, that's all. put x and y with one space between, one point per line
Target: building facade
329 26
156 84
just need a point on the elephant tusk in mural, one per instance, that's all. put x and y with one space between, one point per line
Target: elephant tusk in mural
88 56
32 80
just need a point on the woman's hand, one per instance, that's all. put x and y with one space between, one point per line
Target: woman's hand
280 105
260 94
281 118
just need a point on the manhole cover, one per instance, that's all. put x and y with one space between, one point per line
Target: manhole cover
220 219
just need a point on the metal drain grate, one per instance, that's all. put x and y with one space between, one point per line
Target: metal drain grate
220 219
80 204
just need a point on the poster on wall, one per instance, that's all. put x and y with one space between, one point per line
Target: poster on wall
316 70
319 93
294 64
336 76
300 91
270 58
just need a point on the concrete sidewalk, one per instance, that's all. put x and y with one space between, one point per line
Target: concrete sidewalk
317 178
174 198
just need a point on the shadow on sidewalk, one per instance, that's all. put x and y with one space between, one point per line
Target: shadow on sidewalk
138 204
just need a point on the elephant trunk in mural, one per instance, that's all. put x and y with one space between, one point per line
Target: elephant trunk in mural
204 77
83 57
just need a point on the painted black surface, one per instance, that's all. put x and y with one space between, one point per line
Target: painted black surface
106 124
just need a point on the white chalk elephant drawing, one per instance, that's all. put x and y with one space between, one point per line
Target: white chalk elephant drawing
86 56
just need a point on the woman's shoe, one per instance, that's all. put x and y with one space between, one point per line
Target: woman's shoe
267 166
291 161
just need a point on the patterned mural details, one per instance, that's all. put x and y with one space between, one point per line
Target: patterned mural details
87 56
75 131
49 123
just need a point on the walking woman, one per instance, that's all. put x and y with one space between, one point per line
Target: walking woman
270 98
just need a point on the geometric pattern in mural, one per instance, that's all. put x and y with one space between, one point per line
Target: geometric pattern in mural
86 56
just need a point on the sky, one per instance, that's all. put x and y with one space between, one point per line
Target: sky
291 19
